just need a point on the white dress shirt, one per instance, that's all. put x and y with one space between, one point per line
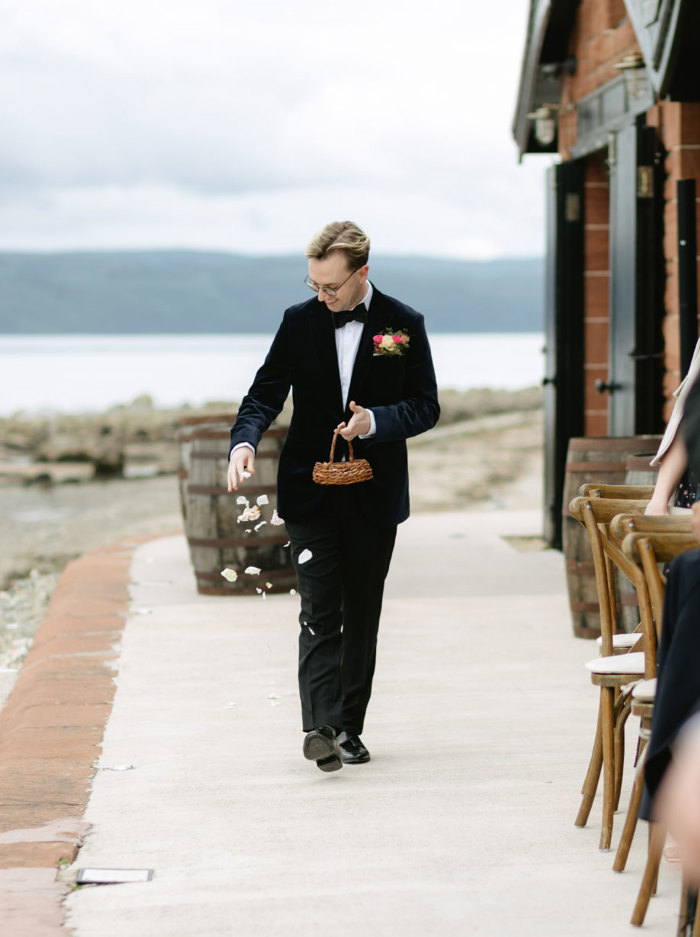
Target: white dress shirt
347 340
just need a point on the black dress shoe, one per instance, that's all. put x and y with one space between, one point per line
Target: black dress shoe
321 746
352 751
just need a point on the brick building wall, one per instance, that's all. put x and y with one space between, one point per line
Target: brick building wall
601 38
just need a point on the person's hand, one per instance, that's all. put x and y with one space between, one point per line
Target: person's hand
695 520
242 461
677 804
359 424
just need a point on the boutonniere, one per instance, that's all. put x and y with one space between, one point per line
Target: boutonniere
390 343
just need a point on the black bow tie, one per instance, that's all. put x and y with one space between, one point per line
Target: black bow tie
358 314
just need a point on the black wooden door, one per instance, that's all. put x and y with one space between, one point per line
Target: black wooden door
636 300
563 382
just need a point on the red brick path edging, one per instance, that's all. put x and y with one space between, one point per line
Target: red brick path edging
51 730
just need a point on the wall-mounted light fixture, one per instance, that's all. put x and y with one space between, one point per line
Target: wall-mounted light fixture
635 76
545 125
545 121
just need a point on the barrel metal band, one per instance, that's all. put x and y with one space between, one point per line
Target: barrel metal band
220 490
237 541
275 576
596 467
223 454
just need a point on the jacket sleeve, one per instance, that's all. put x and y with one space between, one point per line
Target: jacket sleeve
418 410
267 393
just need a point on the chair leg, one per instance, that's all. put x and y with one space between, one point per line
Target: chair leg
657 837
631 819
623 707
590 783
608 731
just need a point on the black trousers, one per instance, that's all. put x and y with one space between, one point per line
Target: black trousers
341 588
678 670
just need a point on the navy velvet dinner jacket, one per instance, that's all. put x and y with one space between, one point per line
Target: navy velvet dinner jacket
400 390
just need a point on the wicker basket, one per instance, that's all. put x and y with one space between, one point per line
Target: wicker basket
342 473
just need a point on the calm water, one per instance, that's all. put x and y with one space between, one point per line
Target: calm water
89 372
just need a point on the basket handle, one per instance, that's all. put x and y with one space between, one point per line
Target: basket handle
332 455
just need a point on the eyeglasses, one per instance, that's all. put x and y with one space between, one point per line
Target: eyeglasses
328 290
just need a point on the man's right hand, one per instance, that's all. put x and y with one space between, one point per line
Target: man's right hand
242 461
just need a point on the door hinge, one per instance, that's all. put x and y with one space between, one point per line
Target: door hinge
645 181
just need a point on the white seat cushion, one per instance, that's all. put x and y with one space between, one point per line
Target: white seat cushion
618 663
623 639
645 691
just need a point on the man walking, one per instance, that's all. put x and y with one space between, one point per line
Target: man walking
358 362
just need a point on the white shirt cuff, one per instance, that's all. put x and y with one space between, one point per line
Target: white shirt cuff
240 446
372 426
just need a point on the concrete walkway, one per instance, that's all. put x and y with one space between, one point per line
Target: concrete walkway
479 728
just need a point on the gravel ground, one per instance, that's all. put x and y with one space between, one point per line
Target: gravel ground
490 462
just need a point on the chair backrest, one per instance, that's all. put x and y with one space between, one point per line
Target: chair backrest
607 508
634 492
650 550
626 523
596 514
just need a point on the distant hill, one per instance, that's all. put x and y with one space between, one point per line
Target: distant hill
122 292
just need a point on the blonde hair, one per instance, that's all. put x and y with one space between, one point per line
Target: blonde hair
340 236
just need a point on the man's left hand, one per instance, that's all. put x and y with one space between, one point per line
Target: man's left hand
359 424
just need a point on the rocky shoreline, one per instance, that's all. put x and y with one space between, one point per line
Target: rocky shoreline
136 440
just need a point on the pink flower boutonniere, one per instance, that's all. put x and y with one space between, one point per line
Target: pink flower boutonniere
390 343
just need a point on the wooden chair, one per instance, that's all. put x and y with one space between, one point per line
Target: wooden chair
670 536
609 672
623 640
649 548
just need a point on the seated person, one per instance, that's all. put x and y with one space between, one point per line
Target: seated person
672 769
676 479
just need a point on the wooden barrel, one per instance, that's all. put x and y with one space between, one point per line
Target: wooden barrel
215 537
189 425
638 472
591 459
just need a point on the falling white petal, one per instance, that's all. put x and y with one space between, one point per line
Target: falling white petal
286 544
229 574
304 556
249 514
292 591
264 595
268 585
252 570
241 499
261 524
258 590
276 520
262 499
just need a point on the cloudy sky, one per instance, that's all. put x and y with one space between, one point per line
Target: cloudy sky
245 126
